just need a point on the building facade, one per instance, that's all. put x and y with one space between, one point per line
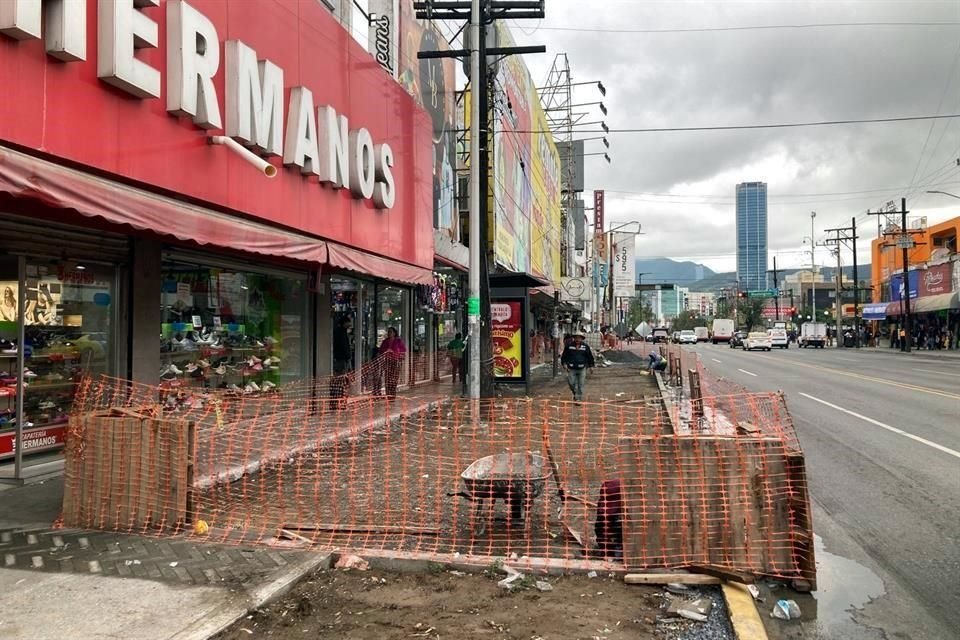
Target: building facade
199 211
752 235
701 302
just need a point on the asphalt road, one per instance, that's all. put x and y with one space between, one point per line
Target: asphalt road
881 434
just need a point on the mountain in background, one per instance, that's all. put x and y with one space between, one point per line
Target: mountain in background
663 270
718 281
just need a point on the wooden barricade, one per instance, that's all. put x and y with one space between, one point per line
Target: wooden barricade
128 470
728 504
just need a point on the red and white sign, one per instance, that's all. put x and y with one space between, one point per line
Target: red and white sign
34 440
937 280
133 88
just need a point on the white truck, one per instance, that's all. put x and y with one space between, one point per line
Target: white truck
813 334
702 334
722 330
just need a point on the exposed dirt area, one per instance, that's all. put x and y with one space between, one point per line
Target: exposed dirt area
440 604
399 476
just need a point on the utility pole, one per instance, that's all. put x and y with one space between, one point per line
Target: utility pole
480 14
813 267
841 236
776 285
856 286
905 243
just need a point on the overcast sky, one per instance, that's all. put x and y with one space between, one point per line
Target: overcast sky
681 185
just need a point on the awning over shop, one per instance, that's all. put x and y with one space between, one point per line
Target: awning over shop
516 280
353 260
876 311
937 302
24 176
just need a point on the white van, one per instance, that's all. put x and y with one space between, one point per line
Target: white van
722 330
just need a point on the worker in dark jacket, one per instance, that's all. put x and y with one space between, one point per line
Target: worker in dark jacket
577 358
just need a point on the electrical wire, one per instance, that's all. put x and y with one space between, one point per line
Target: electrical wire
764 27
781 125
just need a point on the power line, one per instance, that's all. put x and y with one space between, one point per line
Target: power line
765 27
781 125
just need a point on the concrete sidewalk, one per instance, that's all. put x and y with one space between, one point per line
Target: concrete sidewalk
93 585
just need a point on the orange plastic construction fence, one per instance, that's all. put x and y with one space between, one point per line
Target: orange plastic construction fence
640 483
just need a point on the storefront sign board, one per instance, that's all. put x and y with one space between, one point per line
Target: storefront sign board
103 89
34 440
936 280
508 339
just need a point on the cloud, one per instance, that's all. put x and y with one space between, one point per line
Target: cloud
747 77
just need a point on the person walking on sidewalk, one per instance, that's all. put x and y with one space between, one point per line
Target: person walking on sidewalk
455 354
393 351
577 358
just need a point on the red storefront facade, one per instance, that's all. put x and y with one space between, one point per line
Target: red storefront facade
113 198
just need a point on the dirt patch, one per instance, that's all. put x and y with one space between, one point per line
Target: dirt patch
399 476
441 604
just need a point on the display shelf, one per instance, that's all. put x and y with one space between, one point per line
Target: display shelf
50 386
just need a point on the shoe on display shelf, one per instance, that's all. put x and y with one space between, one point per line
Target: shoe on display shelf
171 368
190 367
203 364
46 405
268 386
221 370
28 374
271 362
234 388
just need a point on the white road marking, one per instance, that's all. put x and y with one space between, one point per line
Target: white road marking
747 372
939 373
715 360
901 432
848 359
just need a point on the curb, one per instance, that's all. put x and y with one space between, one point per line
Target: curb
744 616
219 617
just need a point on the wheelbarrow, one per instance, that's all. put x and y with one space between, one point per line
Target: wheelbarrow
516 478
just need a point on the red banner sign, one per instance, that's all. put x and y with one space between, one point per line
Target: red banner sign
133 90
598 211
34 440
937 280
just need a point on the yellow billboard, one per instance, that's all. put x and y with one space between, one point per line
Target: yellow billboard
525 189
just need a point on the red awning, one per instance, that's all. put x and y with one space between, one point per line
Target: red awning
354 260
24 176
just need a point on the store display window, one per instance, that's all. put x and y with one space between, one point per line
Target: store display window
56 326
232 329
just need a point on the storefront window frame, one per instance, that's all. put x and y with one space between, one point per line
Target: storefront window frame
118 334
228 263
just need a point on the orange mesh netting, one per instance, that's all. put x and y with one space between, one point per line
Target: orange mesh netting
634 480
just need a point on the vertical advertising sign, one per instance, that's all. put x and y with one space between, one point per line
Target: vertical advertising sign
506 318
382 35
598 211
624 265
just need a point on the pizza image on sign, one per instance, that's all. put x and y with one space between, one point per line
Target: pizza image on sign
507 336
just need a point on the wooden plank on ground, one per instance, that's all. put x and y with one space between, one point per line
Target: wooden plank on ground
670 578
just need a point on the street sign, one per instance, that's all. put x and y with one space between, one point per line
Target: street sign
905 242
763 293
575 289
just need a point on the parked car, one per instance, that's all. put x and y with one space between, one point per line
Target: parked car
688 337
757 340
736 340
661 335
675 337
